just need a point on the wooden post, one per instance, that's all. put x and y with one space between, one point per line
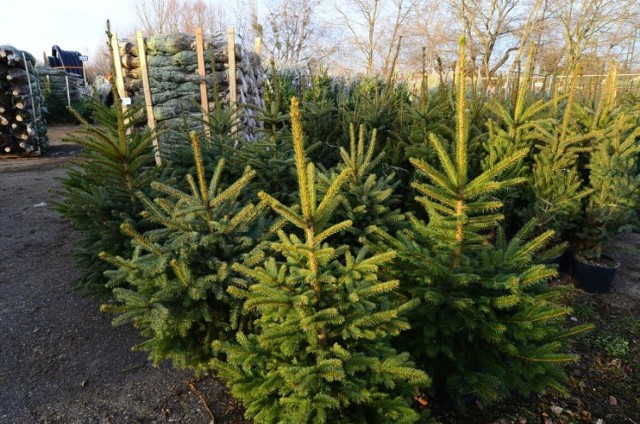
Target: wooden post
233 93
119 78
204 95
148 100
258 46
84 72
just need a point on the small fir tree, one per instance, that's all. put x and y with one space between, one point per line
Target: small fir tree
489 323
556 184
515 126
614 183
179 273
320 351
222 141
272 156
99 192
367 200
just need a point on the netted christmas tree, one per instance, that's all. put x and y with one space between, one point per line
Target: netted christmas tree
179 273
320 351
489 323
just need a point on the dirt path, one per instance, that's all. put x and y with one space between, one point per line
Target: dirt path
61 361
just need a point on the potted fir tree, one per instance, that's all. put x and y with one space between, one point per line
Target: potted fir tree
611 206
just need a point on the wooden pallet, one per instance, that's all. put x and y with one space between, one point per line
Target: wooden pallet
32 155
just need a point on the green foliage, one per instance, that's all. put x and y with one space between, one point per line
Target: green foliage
556 182
58 112
320 119
221 141
179 273
378 106
271 155
614 182
320 350
367 200
519 125
613 344
305 328
488 323
99 192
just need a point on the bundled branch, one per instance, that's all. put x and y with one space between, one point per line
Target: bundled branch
23 128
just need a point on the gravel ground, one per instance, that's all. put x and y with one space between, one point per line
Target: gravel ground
61 361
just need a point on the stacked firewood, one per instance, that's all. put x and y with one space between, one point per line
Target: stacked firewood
172 66
23 128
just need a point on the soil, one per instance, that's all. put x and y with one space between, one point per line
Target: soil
61 360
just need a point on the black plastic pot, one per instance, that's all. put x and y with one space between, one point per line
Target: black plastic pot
564 261
592 277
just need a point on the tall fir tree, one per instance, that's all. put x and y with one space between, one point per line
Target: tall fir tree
179 273
320 351
488 323
517 124
614 187
556 185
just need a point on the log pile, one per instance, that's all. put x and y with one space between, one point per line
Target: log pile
172 66
23 129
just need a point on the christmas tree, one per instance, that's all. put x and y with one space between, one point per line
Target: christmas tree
99 193
614 183
320 350
367 199
488 323
179 273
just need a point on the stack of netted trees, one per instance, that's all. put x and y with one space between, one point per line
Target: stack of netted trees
174 81
61 84
23 128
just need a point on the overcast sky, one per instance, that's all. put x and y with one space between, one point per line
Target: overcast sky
78 25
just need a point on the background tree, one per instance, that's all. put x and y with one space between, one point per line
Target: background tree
167 16
430 28
600 27
490 27
294 34
158 16
374 28
198 13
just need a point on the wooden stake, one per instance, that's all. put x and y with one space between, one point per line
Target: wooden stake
204 95
118 68
233 94
258 46
148 100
